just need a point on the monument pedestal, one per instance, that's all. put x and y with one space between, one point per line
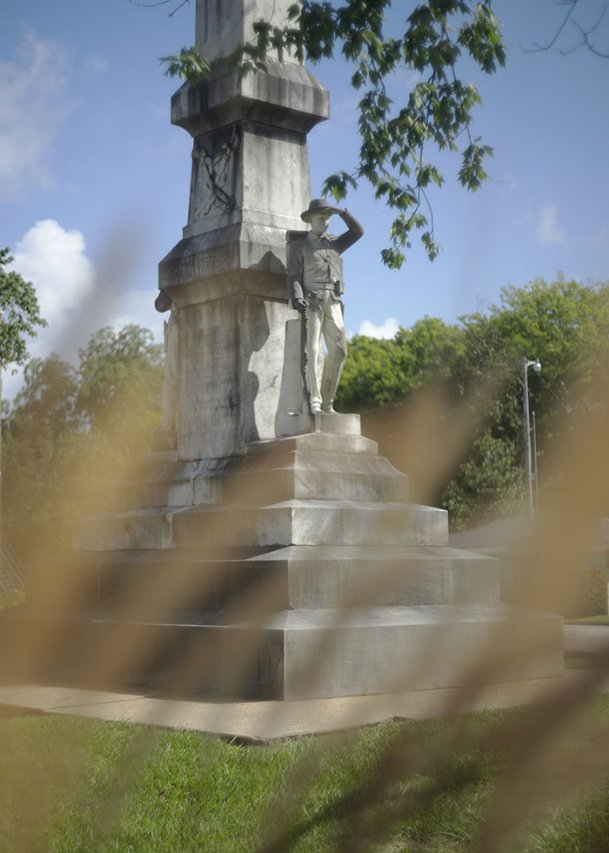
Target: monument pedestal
297 570
273 554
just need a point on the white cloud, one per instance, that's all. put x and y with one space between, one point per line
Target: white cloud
55 261
548 230
77 297
387 329
32 108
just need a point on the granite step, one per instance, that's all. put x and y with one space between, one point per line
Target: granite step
291 655
312 522
192 582
268 479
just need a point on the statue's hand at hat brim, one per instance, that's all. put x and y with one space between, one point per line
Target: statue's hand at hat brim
320 207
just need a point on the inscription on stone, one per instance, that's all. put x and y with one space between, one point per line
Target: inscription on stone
213 175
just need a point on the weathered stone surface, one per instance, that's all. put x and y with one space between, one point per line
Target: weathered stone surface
297 654
341 576
239 340
298 423
186 584
146 528
164 482
158 585
222 496
222 27
286 96
303 482
291 522
312 522
334 462
327 442
267 478
341 653
150 583
250 181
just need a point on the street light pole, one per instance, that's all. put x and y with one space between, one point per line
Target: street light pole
526 427
534 448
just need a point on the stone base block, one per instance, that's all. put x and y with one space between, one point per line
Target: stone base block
327 442
104 654
298 423
334 576
291 655
172 585
151 528
325 653
294 569
299 522
267 478
292 522
161 480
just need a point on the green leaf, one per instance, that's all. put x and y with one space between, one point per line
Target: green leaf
399 129
19 313
188 65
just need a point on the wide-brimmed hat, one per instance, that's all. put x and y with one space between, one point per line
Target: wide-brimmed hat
317 205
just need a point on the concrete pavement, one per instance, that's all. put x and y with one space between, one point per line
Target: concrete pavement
264 721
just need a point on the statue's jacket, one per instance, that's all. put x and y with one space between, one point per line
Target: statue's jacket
315 262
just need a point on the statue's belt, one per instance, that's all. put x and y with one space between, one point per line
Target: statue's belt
322 285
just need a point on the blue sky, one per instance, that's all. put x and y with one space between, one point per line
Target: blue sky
94 179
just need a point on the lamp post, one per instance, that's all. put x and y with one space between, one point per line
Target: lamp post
526 426
534 451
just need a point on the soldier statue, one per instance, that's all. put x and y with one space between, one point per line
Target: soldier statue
316 286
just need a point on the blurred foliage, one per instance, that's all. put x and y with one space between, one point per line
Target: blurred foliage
69 431
563 323
120 372
500 780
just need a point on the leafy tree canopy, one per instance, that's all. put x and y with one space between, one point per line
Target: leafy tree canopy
71 433
47 397
68 426
119 376
399 121
563 323
19 313
378 372
40 434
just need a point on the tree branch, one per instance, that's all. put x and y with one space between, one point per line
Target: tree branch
161 3
559 31
584 32
585 36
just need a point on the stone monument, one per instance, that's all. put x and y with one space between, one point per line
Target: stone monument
226 277
273 553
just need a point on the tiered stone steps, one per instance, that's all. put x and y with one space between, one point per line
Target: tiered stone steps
299 569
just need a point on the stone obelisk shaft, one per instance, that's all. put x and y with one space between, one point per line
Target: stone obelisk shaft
226 277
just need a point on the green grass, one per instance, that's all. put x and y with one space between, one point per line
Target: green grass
11 599
589 620
80 785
